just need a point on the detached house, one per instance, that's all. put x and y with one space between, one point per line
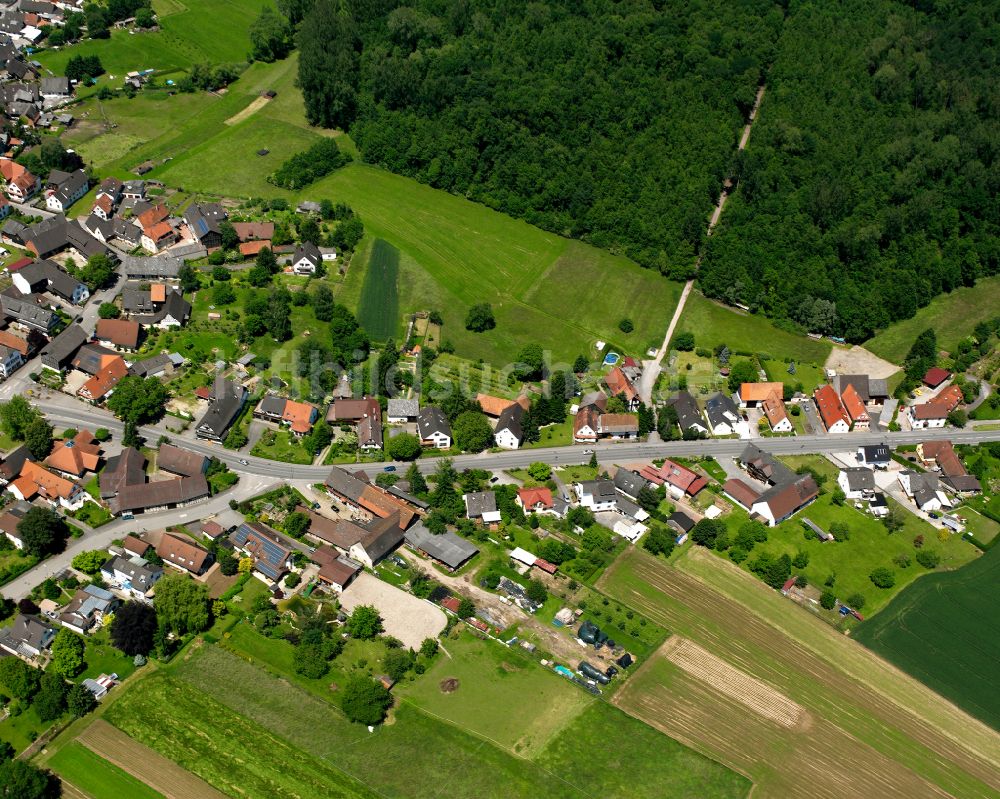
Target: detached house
724 417
306 259
65 188
509 432
619 384
832 413
299 416
182 553
618 426
927 415
270 551
134 576
688 414
203 220
855 408
226 402
27 637
433 428
120 333
752 395
37 481
585 425
87 608
857 482
75 456
876 456
777 416
541 500
19 184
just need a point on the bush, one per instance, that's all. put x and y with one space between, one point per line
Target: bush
882 578
928 558
684 341
293 579
828 600
856 601
364 700
902 561
309 166
626 325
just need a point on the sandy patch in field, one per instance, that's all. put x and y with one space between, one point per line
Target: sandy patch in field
249 111
144 764
406 617
859 361
756 695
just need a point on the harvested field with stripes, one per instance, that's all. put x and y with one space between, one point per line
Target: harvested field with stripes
762 699
144 764
858 736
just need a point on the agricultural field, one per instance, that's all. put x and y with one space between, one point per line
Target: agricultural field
939 631
900 739
213 714
714 324
99 779
953 316
378 308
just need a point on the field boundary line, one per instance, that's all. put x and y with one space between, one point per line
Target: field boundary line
916 709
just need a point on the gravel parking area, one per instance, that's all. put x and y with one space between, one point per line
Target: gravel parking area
409 619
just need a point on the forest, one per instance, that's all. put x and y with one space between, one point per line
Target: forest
870 183
613 122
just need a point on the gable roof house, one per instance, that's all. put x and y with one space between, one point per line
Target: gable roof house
924 488
35 480
540 500
753 394
935 376
629 482
10 518
19 183
368 501
162 310
10 361
59 352
927 415
788 493
270 550
941 455
87 608
29 316
509 432
121 333
132 575
723 416
688 414
76 455
92 358
433 427
55 88
203 220
741 492
857 482
126 468
227 402
366 542
65 188
618 426
618 383
832 413
597 495
27 637
306 259
365 413
45 275
154 267
299 416
182 553
785 499
680 480
585 424
855 407
481 506
775 413
101 385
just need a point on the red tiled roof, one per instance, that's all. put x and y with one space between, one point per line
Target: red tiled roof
830 409
120 332
774 409
250 248
742 492
936 376
77 456
531 497
618 383
19 264
949 398
681 477
853 405
758 392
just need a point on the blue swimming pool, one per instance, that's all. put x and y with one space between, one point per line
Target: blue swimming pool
611 359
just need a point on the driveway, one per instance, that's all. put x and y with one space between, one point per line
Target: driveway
406 617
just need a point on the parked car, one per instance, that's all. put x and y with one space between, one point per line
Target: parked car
934 515
389 469
494 479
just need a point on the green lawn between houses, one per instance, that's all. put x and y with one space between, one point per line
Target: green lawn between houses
94 775
215 714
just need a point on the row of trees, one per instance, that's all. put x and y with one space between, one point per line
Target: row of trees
310 165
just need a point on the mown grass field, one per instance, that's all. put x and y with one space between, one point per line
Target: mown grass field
899 738
94 775
952 316
252 734
713 324
944 631
378 308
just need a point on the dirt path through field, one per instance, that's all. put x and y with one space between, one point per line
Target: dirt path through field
862 720
249 111
144 764
70 791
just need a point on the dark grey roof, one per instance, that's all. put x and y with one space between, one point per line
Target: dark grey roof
70 184
309 251
151 366
58 352
718 406
27 631
29 314
602 490
510 419
136 301
688 415
272 404
141 574
629 482
88 358
126 468
161 266
766 465
344 483
396 491
160 493
449 548
223 410
55 86
431 420
963 484
681 521
876 453
479 502
859 478
11 465
54 279
204 219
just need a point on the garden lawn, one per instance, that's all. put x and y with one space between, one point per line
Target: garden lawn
491 676
100 657
94 775
808 375
714 324
983 528
19 731
286 448
952 316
